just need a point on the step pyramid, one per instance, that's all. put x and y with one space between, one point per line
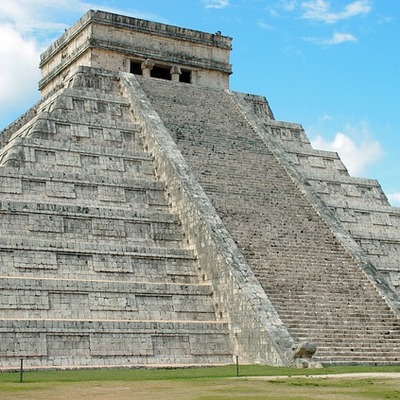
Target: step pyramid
152 217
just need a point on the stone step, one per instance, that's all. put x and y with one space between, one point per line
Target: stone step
52 342
84 190
53 247
11 179
92 230
321 334
72 299
20 207
348 319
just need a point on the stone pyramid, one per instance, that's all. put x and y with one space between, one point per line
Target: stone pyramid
152 217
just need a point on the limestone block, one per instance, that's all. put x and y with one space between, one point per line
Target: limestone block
193 304
130 344
137 197
317 162
346 215
138 230
68 346
167 345
46 223
10 185
108 227
112 135
320 186
111 194
132 166
15 344
373 247
78 105
68 159
112 263
23 299
129 139
150 304
45 157
112 301
380 219
68 305
60 189
63 129
112 163
74 264
78 226
24 259
156 197
89 161
165 231
149 268
13 222
33 187
95 132
204 344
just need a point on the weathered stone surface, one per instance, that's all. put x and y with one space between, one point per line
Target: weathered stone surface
149 221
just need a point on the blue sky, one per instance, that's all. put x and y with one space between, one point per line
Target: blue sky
332 66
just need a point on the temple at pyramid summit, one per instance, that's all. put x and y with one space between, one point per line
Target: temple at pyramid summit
152 217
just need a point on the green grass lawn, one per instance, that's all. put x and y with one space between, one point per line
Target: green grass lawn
217 383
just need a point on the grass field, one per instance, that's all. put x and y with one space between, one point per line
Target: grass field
220 383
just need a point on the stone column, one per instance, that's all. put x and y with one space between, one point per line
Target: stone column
175 73
147 66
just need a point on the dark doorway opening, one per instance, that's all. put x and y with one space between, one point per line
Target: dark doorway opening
186 76
161 73
136 68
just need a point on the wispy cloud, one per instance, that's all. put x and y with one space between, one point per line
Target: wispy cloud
320 10
358 155
216 3
337 38
394 199
264 25
288 5
282 6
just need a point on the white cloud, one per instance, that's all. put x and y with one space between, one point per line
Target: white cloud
356 156
216 3
19 70
27 27
394 199
325 117
19 59
338 38
320 10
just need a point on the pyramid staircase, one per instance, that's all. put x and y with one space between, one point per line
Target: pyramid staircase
318 288
94 269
